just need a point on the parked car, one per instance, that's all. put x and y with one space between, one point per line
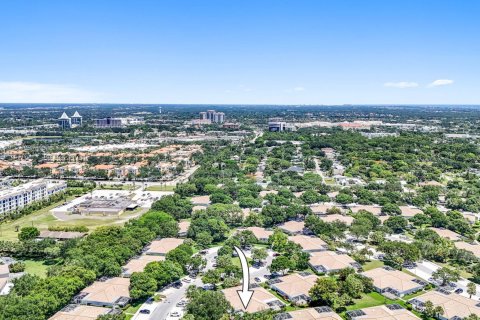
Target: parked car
459 290
257 279
175 314
145 311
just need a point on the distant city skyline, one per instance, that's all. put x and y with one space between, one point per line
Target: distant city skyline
247 52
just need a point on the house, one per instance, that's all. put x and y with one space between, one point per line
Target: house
263 193
163 246
395 282
80 312
473 248
454 306
409 211
261 234
108 168
138 264
109 293
448 234
317 313
382 312
293 227
330 261
203 201
294 287
373 209
183 228
322 208
261 300
309 243
337 217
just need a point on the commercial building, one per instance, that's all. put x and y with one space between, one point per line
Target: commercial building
387 280
330 261
454 306
278 125
108 293
103 206
318 313
294 287
18 197
383 312
213 116
108 122
66 122
261 300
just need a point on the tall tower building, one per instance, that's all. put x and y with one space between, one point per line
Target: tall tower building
76 119
64 121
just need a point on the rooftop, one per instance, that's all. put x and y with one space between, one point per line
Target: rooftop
337 217
260 299
80 312
452 304
445 233
295 284
108 291
293 226
331 260
309 243
390 278
260 233
383 312
163 246
318 313
473 248
138 264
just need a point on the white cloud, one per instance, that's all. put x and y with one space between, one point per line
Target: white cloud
440 82
33 92
401 85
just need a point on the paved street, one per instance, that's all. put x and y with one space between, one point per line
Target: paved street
425 269
164 309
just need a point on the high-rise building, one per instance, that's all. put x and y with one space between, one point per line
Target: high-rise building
213 116
203 115
76 119
108 122
64 121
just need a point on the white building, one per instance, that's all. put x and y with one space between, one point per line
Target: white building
20 196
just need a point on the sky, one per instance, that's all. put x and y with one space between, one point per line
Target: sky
240 51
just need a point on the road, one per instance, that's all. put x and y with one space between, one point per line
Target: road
424 270
162 310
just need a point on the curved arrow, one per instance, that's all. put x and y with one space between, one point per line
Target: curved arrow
245 294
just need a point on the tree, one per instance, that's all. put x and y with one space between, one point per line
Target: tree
282 264
396 223
28 233
142 285
324 291
471 289
259 254
391 209
446 275
431 311
206 305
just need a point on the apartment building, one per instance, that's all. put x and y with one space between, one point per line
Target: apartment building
20 196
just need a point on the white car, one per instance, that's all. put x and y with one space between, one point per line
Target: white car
175 314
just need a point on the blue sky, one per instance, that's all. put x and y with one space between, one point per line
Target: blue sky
241 51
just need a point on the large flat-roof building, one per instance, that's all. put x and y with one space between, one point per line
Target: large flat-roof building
103 206
390 281
18 197
108 122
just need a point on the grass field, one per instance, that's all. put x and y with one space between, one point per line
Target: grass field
372 265
371 299
42 219
159 188
38 267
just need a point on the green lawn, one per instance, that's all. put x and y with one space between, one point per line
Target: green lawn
132 308
38 267
372 265
159 188
42 219
371 299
